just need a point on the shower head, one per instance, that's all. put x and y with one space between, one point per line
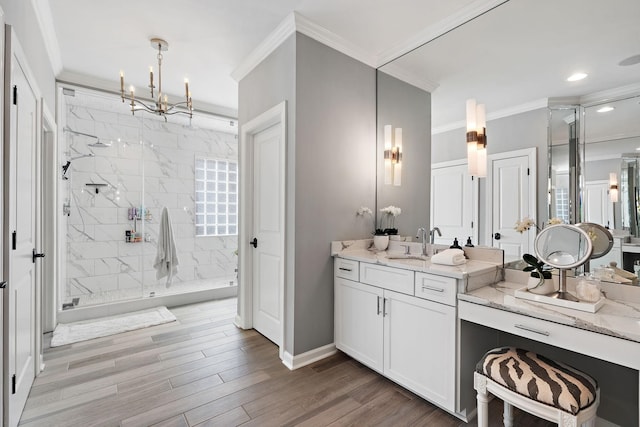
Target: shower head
97 144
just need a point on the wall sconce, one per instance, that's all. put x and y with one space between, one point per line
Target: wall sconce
392 156
613 187
476 139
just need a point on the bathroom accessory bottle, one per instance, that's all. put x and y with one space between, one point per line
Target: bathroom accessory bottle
455 245
469 244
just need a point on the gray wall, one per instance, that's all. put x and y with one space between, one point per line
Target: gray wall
335 175
404 106
511 133
330 169
21 16
270 83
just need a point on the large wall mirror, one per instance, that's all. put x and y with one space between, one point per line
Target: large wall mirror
515 57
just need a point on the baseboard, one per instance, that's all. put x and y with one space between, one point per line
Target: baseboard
298 361
601 422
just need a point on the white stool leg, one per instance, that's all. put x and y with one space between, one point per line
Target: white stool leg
483 409
508 415
480 384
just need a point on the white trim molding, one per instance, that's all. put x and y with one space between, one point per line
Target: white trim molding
295 362
42 10
434 31
295 22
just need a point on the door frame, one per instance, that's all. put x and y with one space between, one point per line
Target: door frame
276 115
531 154
49 196
13 48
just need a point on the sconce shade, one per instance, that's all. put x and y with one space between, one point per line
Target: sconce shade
388 177
613 187
392 156
476 139
397 158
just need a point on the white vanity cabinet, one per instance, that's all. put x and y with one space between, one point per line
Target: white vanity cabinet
409 339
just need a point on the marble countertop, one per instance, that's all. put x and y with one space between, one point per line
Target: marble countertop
470 268
617 318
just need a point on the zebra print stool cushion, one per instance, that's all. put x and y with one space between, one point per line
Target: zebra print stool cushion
539 378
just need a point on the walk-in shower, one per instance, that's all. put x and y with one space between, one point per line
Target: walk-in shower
118 173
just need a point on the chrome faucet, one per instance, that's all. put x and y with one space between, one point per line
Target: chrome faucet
432 234
422 234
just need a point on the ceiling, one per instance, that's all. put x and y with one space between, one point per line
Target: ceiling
209 40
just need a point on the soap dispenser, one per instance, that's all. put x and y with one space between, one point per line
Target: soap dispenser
469 244
455 245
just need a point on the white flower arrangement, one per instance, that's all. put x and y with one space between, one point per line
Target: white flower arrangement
390 214
527 223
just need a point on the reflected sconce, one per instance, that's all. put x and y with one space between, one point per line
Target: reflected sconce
476 139
613 187
392 156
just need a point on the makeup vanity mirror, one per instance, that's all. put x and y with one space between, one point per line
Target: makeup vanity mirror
564 247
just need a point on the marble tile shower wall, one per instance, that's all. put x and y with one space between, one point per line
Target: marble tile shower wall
154 173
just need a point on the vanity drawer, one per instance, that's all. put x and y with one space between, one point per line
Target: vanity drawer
346 268
617 350
436 288
394 279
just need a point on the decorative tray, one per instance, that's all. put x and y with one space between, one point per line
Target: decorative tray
590 307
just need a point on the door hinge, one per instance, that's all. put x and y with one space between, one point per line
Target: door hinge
14 240
13 384
15 95
471 224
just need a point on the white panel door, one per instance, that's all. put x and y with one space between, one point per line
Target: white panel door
598 207
268 225
513 195
454 203
21 232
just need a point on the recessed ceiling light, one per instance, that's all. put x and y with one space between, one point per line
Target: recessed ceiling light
576 76
606 109
638 149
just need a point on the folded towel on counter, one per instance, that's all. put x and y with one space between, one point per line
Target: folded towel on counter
449 257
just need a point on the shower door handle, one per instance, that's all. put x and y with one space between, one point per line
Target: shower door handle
35 255
254 242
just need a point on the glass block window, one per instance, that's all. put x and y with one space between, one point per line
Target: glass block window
562 204
216 197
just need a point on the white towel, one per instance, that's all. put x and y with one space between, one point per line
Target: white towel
166 263
449 257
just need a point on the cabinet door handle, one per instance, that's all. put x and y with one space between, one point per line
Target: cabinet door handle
535 331
344 269
378 306
432 288
384 307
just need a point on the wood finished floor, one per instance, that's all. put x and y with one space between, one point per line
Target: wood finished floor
203 371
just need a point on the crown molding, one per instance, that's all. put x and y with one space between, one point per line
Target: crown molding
403 74
295 22
506 112
434 31
309 28
610 95
264 49
45 21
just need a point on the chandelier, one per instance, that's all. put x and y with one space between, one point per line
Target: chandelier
160 104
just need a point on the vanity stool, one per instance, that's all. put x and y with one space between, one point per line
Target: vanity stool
537 385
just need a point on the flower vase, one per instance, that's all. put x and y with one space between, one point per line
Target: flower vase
381 242
544 287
